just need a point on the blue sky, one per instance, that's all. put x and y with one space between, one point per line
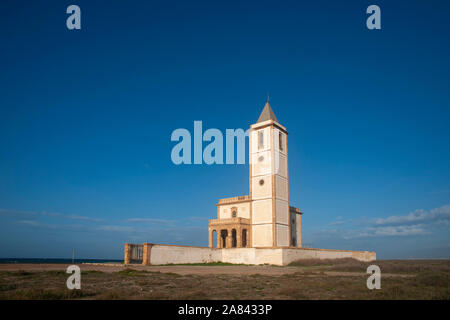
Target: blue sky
86 118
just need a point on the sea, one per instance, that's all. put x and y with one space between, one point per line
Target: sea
51 260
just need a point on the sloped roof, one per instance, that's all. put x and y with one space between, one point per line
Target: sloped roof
267 113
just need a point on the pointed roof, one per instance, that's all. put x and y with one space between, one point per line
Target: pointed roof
267 113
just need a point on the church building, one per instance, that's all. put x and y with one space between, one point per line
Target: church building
258 228
263 218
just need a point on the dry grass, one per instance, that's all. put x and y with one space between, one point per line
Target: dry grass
427 280
386 266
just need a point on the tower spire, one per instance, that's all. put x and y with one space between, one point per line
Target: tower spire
267 113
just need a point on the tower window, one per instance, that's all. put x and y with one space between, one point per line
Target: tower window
260 139
280 140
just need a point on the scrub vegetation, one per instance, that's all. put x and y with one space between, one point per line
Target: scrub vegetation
306 279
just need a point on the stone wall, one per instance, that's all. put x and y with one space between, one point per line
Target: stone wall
168 254
126 259
158 254
238 255
290 255
224 211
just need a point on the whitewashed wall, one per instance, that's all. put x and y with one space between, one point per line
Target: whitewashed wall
169 254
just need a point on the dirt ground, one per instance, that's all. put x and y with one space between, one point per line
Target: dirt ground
188 269
308 279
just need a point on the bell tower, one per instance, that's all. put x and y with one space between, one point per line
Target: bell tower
269 182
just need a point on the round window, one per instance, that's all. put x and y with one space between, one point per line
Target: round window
261 158
261 182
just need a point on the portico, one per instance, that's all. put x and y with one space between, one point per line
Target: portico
230 233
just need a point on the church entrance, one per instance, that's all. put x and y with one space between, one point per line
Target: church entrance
233 238
223 237
229 233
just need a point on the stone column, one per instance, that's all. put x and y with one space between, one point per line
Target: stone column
219 240
210 239
126 259
229 239
146 254
299 231
238 237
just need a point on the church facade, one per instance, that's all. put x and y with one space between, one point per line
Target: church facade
264 218
258 228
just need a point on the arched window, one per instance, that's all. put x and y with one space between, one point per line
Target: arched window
260 139
280 140
234 212
233 238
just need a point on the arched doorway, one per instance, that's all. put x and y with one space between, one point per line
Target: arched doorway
214 239
223 237
244 238
233 238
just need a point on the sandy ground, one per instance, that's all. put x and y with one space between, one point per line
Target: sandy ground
306 279
190 270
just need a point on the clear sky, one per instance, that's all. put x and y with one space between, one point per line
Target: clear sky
86 118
